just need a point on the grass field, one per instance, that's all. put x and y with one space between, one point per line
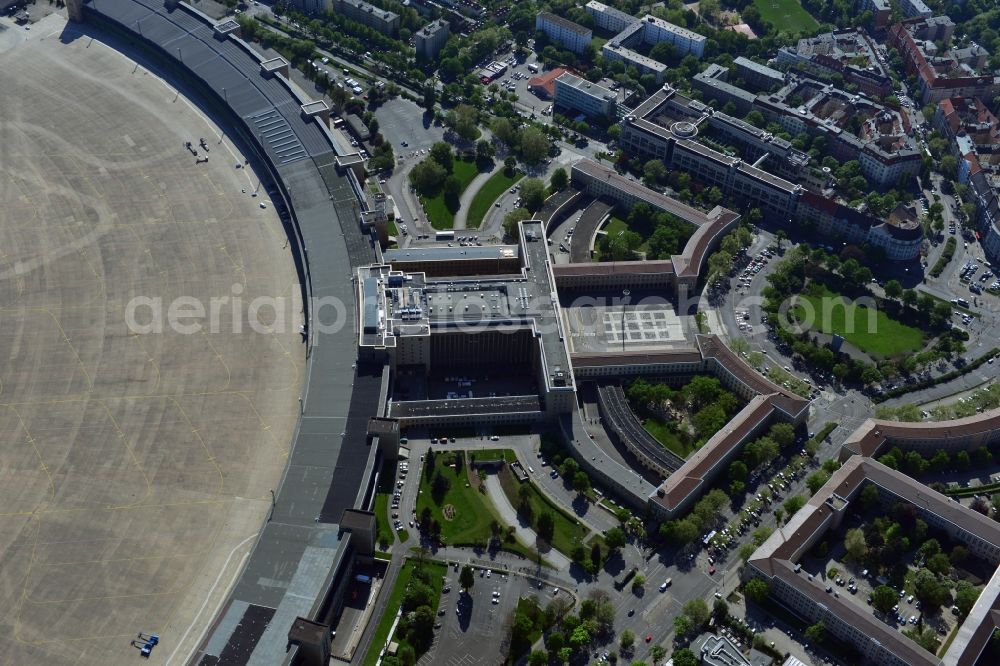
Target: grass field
657 429
437 212
498 183
615 225
786 15
875 334
396 600
473 512
567 531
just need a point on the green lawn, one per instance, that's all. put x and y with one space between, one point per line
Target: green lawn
396 600
786 15
876 334
473 511
435 208
498 183
567 531
615 225
493 454
669 440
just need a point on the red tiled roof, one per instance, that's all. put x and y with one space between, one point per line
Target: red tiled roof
547 81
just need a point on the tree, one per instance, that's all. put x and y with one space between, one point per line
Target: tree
855 544
738 470
657 653
965 597
534 145
816 480
793 504
782 433
452 191
560 179
509 164
884 598
684 657
817 632
511 219
757 590
614 539
653 172
682 625
465 120
581 482
484 151
429 97
532 193
442 153
546 525
720 609
580 638
427 176
536 658
466 579
893 289
627 639
697 610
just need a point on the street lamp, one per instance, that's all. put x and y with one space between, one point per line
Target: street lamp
625 294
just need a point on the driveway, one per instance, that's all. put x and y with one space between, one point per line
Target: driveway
508 516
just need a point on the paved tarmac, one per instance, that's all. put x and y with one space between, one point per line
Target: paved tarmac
138 466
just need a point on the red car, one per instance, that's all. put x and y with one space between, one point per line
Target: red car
711 570
649 637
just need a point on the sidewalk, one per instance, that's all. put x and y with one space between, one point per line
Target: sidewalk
470 193
508 515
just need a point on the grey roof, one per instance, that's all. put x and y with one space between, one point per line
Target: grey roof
438 253
564 23
291 563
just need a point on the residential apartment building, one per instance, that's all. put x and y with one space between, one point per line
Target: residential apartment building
809 596
953 73
880 9
913 8
569 35
684 41
757 76
430 39
850 53
572 92
374 17
667 126
651 31
713 83
609 18
855 127
974 136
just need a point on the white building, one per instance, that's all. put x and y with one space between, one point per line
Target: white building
609 18
564 32
581 95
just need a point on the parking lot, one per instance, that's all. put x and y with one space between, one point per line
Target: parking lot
472 625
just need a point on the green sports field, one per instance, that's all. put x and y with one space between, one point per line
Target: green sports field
785 15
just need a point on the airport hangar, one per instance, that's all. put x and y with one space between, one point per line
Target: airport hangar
291 589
